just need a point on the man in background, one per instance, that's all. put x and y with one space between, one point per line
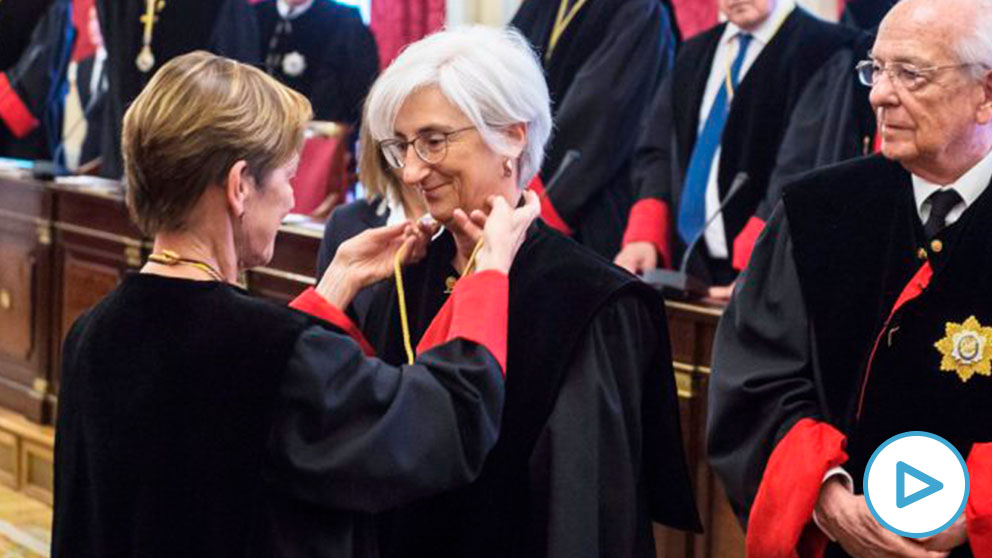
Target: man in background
717 123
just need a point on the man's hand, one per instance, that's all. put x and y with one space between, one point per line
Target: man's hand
637 257
722 292
846 518
948 539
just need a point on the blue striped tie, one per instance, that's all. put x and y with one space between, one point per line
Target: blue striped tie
692 209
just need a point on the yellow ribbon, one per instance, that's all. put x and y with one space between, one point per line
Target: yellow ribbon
562 20
401 293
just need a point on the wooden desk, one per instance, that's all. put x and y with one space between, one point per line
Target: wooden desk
691 328
63 248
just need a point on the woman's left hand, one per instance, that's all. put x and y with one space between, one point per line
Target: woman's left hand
369 257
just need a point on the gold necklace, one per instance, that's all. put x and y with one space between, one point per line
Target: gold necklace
171 258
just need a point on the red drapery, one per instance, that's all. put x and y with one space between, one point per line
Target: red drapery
397 23
694 16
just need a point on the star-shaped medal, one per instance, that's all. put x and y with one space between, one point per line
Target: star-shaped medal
965 349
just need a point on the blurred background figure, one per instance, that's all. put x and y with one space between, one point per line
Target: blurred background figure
17 21
602 61
714 130
51 100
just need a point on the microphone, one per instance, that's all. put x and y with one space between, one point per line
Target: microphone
680 281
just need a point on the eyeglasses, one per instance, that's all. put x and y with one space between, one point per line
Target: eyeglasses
430 146
906 75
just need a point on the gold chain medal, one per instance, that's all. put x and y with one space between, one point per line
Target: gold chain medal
146 58
966 349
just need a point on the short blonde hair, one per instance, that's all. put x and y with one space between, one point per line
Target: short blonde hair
492 75
198 116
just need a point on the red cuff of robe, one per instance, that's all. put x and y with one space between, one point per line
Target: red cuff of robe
477 311
978 512
780 524
315 305
744 243
651 221
548 211
13 111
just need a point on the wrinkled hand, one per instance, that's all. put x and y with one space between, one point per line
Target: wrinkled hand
950 538
504 230
846 517
368 257
637 257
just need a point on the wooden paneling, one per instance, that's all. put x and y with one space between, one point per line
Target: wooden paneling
25 284
9 452
37 471
26 461
84 283
16 310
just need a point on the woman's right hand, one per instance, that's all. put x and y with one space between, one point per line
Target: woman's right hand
369 257
504 231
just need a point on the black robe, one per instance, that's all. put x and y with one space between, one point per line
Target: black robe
832 330
195 420
340 55
866 14
759 114
832 121
601 77
590 448
32 92
17 20
225 27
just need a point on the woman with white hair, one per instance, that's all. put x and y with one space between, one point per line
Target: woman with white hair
590 450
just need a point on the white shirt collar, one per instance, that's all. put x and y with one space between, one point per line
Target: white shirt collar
969 187
285 10
767 29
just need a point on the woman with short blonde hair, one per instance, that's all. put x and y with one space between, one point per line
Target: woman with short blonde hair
196 420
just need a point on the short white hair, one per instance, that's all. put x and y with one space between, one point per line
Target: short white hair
492 75
975 45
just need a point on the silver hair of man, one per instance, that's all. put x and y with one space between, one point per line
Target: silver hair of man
492 75
975 45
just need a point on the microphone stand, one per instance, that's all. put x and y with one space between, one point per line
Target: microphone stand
680 282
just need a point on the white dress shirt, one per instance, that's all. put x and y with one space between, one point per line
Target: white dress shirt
724 56
289 12
969 187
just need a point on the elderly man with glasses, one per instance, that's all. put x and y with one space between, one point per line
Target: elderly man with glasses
864 312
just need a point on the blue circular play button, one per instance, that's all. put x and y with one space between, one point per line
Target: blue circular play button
916 484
